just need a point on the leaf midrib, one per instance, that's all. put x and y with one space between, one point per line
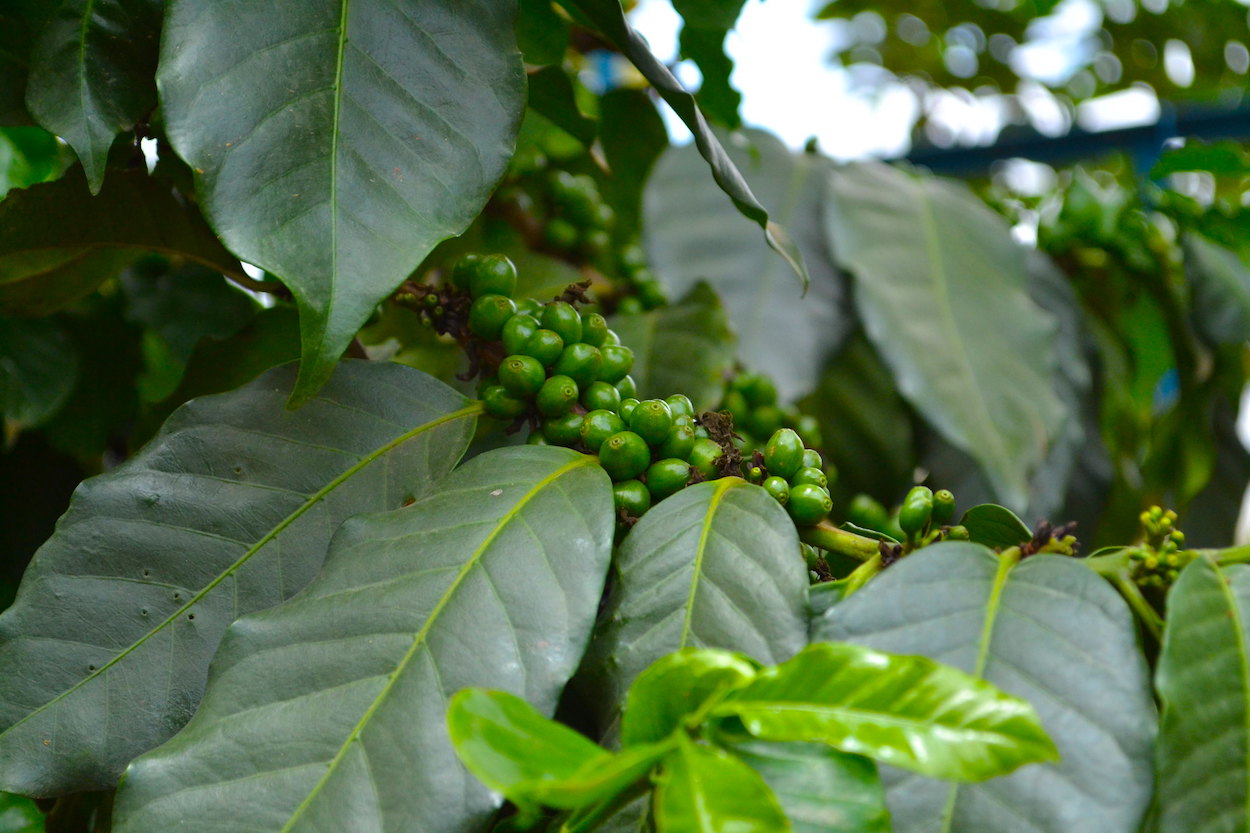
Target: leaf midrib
420 637
713 505
471 410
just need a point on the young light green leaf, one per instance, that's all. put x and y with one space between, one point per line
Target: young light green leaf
18 814
695 328
1203 679
58 243
678 685
994 526
702 789
716 565
940 286
1046 629
91 74
609 16
820 789
328 712
686 223
29 155
228 510
907 711
336 143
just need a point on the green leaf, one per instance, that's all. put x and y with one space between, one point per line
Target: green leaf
542 34
633 136
820 789
328 712
940 286
696 329
716 96
38 370
907 711
1226 158
1221 290
709 14
551 94
533 760
716 565
183 305
20 24
91 74
609 16
678 685
19 814
58 243
1048 630
1203 680
335 144
690 237
28 156
702 789
228 510
996 527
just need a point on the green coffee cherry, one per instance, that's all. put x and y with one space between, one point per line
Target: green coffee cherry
736 404
598 426
580 362
667 477
765 420
652 420
563 319
618 360
501 404
783 455
778 488
536 438
627 407
522 375
601 395
594 329
808 504
557 395
756 475
812 458
565 430
808 427
807 474
958 533
943 506
492 275
651 293
867 512
630 305
758 389
632 496
488 315
679 442
917 509
517 331
704 456
597 242
560 234
624 455
628 388
462 272
545 345
680 405
529 306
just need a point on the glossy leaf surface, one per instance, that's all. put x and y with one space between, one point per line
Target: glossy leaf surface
58 243
821 789
675 687
689 237
716 565
994 526
940 287
1203 679
369 132
696 329
228 510
908 711
328 712
1047 630
91 74
702 789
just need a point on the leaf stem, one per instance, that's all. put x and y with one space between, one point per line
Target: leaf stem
1232 555
587 819
1146 613
861 574
828 537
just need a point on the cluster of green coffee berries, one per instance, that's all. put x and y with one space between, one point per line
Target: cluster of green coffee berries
751 399
566 373
923 517
1158 561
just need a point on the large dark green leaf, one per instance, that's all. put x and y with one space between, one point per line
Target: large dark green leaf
336 143
20 24
58 243
38 369
697 330
1203 680
908 711
689 236
228 510
91 74
1048 630
715 566
1221 290
327 712
633 136
609 16
821 789
940 286
703 789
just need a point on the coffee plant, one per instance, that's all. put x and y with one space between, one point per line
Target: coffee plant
448 452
